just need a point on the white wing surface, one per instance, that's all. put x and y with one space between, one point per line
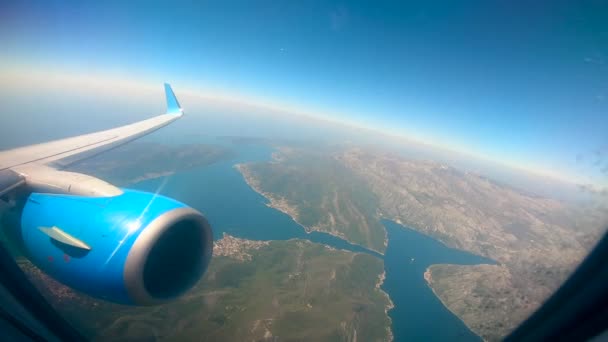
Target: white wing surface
38 165
67 151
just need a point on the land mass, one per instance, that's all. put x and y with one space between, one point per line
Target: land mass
536 241
319 194
252 290
124 165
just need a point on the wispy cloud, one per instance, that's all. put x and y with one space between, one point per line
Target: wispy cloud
593 189
594 163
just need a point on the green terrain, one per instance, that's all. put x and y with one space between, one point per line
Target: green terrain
286 290
320 194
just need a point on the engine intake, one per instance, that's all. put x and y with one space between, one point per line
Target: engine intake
167 258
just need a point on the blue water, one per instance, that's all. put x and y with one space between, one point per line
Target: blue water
418 313
231 206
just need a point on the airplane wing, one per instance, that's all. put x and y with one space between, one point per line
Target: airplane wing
35 164
59 154
112 243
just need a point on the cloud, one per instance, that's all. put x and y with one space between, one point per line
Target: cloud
594 164
593 189
595 157
338 18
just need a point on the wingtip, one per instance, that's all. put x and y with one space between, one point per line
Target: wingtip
173 106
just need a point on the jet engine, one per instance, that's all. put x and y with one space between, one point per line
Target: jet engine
134 248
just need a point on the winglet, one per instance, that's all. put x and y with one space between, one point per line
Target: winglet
173 106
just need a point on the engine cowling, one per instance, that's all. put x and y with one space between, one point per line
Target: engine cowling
141 248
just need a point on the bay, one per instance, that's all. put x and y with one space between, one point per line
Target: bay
231 206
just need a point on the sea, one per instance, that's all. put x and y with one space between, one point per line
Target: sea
231 206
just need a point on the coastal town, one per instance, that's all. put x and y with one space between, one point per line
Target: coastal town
236 248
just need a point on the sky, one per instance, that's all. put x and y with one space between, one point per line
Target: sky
524 84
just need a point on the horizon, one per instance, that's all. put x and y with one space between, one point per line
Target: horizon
101 87
517 84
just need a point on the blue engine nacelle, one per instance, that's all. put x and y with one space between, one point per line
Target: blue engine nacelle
142 248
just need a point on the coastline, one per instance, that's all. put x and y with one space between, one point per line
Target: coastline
151 175
282 206
388 306
273 202
428 277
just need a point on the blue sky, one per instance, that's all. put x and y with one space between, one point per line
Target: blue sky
524 84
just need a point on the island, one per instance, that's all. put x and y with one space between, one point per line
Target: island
252 290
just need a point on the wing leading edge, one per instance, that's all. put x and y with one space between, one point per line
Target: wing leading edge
64 152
